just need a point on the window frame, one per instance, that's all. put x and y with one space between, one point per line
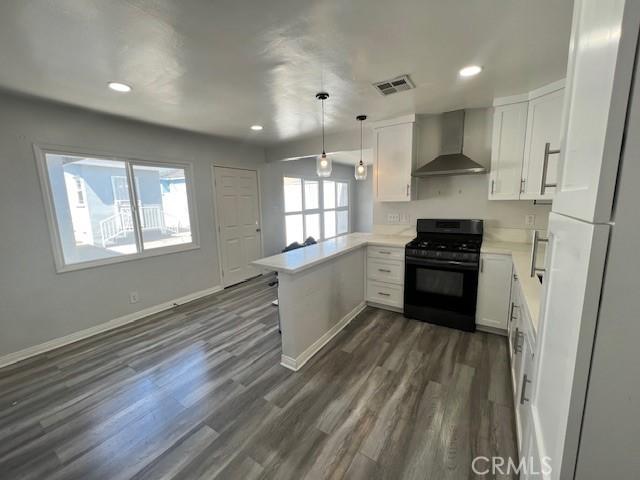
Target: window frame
304 212
321 208
41 150
336 208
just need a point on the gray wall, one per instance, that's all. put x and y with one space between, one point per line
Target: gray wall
36 303
461 196
363 219
273 197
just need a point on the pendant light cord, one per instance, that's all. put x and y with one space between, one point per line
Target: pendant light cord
323 152
360 141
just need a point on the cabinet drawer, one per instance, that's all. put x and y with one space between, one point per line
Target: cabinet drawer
389 253
385 293
385 271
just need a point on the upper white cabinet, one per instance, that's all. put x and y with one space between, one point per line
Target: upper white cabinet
601 61
394 157
494 285
507 147
525 144
542 144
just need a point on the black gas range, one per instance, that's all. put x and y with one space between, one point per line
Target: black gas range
441 272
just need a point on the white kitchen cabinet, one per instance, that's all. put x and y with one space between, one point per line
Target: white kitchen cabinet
524 385
523 125
507 149
494 285
575 258
385 277
514 310
601 61
542 142
394 159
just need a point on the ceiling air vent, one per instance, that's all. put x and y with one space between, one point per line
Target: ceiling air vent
395 85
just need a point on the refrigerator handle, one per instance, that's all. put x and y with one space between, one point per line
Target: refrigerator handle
534 252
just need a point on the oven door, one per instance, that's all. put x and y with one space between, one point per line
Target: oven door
440 291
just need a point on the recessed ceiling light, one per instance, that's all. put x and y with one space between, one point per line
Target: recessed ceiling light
470 71
119 87
256 128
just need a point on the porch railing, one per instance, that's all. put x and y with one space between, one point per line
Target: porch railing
152 217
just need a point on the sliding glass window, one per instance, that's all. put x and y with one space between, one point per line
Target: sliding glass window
104 209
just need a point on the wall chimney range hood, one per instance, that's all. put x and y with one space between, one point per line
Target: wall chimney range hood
451 160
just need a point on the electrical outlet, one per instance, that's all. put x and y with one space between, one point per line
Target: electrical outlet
530 221
133 297
393 217
405 219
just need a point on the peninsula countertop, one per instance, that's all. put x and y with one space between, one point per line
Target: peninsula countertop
303 258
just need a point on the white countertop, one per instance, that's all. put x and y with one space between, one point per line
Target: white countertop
531 288
302 258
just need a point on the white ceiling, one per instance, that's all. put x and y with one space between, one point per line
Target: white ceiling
219 66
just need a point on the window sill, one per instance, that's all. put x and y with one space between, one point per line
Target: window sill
127 258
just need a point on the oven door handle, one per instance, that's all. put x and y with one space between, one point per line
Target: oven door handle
441 263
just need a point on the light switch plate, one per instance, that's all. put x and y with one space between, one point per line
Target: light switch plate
393 217
530 221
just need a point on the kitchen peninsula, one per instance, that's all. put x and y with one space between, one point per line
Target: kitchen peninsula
322 287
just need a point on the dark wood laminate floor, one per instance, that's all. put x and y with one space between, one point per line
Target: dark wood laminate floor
198 392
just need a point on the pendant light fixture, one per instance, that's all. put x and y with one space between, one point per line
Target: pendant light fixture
361 168
323 164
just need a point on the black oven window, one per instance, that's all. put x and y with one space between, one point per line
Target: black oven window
439 282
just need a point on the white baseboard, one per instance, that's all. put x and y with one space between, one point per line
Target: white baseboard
297 363
103 327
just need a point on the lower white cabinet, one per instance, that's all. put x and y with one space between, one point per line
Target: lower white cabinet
522 348
494 287
524 387
385 276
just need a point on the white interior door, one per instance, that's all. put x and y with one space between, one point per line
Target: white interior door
238 219
575 260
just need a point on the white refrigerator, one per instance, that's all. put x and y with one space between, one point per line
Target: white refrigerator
585 403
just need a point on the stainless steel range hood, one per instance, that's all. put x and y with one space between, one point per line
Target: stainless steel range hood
451 160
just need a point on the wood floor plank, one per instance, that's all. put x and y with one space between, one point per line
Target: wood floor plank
197 391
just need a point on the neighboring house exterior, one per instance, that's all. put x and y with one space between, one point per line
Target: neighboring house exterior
97 196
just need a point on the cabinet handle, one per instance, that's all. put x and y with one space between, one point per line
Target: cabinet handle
534 252
511 312
384 294
517 348
385 252
408 186
522 182
493 183
384 270
515 277
481 265
545 167
523 398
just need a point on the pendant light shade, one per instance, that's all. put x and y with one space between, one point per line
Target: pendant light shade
323 164
361 169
